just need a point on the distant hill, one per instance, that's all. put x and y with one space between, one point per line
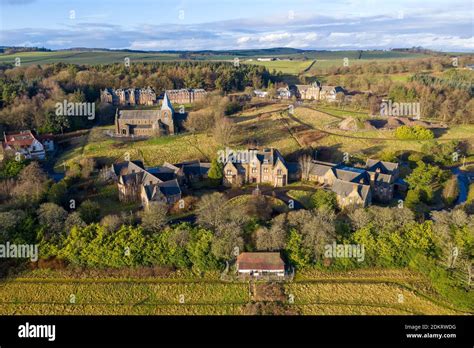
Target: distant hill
93 56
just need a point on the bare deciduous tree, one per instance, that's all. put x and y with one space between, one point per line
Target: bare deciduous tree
224 130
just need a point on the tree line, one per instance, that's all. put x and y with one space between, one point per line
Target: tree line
28 94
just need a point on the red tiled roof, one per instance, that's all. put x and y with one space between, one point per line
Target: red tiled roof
260 261
20 139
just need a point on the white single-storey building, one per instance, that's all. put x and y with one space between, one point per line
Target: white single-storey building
257 264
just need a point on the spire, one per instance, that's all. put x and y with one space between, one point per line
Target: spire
166 103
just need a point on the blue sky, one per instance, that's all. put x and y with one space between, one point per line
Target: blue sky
225 24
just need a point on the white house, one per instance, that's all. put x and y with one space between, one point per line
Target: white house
284 93
24 143
258 264
260 94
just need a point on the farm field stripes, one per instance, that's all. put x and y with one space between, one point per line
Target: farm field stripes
35 296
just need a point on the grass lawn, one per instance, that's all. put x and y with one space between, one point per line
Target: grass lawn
152 152
304 197
293 67
243 201
83 57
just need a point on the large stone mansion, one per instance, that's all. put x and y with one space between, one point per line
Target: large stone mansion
147 96
186 95
128 96
357 186
316 91
353 186
146 123
268 166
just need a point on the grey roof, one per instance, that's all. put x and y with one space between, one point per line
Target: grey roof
133 172
270 156
319 169
171 166
139 114
167 104
336 89
123 168
344 188
166 188
386 178
348 174
385 167
196 168
170 187
140 178
163 173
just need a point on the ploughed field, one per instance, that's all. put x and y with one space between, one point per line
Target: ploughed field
361 292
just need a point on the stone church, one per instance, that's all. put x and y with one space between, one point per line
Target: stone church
146 123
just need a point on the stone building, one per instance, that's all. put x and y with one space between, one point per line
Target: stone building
308 92
137 184
128 96
146 123
357 186
268 166
186 95
316 91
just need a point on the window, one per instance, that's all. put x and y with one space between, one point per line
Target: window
279 171
254 170
265 170
229 172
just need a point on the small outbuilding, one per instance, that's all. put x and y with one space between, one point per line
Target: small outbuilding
259 264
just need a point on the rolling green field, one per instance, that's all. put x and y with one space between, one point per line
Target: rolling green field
293 67
324 293
84 57
301 60
267 126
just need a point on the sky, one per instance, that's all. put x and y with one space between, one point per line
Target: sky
444 25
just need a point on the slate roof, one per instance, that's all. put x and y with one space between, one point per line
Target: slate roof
196 169
167 188
319 169
344 188
336 89
385 167
386 178
139 114
126 167
166 103
350 174
163 173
